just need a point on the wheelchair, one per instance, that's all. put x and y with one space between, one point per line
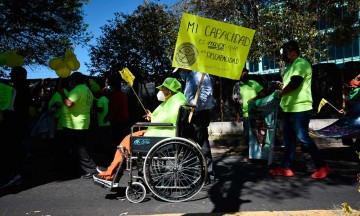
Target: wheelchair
173 168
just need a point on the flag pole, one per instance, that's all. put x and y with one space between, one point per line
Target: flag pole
138 98
129 78
196 97
334 107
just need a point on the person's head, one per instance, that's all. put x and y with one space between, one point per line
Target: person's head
182 72
18 75
244 75
75 79
169 87
354 83
290 51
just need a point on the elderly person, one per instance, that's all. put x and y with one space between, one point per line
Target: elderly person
167 112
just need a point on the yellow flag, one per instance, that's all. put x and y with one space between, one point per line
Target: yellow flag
127 76
321 104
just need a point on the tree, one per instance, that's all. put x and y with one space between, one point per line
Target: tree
142 41
41 29
317 25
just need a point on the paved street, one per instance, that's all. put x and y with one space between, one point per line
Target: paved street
241 187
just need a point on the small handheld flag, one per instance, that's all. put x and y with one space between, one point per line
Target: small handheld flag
129 78
323 102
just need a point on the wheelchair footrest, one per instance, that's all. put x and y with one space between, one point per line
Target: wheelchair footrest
106 183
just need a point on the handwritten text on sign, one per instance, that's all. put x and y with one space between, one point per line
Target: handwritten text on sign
212 47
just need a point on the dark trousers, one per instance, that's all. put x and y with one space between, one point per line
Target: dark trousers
201 121
119 131
12 153
76 141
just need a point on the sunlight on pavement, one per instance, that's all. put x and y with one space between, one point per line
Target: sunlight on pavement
272 213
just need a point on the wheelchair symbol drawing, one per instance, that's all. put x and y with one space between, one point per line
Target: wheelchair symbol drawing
142 142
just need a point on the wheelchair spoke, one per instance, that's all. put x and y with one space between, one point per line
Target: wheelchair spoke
175 170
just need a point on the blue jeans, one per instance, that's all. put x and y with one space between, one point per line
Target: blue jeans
296 126
246 128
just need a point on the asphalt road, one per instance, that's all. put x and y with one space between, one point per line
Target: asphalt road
241 187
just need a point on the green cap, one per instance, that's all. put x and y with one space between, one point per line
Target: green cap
172 84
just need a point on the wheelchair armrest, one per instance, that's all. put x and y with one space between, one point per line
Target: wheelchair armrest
121 147
148 124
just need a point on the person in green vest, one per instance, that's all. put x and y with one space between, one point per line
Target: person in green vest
249 90
56 105
76 121
57 108
15 103
102 133
296 105
171 99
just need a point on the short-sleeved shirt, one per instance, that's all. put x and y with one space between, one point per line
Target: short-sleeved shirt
166 112
300 99
103 102
248 90
7 97
78 116
57 98
58 113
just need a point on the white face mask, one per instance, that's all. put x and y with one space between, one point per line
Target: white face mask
160 96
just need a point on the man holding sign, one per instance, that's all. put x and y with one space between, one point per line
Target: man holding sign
218 48
201 115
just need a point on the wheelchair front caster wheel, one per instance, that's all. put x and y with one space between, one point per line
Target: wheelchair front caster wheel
136 192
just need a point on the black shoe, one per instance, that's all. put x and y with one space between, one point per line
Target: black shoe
210 178
88 176
14 181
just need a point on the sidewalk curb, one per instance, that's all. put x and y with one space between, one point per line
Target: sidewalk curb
272 213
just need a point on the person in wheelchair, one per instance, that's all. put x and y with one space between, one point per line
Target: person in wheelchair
172 98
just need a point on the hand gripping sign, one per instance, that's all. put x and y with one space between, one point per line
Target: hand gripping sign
212 47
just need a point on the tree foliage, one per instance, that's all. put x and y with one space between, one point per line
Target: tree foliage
317 25
41 29
142 41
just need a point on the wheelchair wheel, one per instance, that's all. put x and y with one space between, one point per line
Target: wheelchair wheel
175 169
136 192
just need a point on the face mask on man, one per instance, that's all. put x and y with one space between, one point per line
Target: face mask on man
182 75
160 96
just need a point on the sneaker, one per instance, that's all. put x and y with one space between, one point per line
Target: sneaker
281 171
321 172
100 169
